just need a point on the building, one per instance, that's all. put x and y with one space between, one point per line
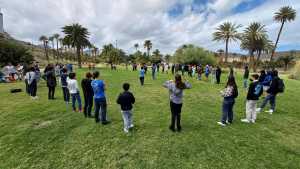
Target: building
1 22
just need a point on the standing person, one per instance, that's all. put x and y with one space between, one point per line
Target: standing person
88 94
193 71
207 72
100 99
142 76
173 69
213 75
231 72
64 85
262 76
246 77
51 82
199 72
167 68
182 70
126 100
229 93
218 74
154 68
74 91
254 92
276 87
176 94
267 81
32 82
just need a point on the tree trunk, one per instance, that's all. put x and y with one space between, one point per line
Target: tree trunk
46 53
252 59
278 36
257 61
226 50
78 56
57 49
286 66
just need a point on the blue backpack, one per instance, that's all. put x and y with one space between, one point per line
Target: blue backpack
258 90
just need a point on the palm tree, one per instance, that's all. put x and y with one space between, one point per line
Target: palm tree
285 14
136 46
51 39
263 45
44 39
77 36
56 37
251 37
227 32
286 60
148 46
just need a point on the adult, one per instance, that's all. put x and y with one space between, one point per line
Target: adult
64 85
88 94
32 82
207 71
246 77
51 82
142 76
272 93
176 94
154 69
98 86
218 74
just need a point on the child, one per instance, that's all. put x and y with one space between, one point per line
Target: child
100 99
74 91
254 92
142 76
126 99
64 85
88 94
229 94
176 94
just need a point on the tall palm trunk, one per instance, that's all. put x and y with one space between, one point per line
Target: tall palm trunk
256 63
53 50
78 51
252 64
46 52
57 49
226 50
278 36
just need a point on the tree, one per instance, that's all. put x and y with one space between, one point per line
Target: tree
190 54
56 37
226 32
51 39
167 58
44 39
285 14
286 60
148 46
264 45
252 36
136 46
77 36
156 56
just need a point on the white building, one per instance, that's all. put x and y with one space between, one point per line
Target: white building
1 22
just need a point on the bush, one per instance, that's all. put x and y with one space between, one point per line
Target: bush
11 52
190 54
296 72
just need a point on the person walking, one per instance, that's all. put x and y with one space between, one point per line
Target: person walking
98 86
176 94
142 76
154 69
229 93
126 100
88 94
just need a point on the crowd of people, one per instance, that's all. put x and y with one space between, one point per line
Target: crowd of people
266 84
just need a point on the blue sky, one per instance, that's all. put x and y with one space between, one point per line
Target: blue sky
167 23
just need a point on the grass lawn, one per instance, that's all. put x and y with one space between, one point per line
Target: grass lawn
47 134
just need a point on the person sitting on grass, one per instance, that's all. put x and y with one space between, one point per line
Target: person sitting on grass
229 94
125 100
74 91
254 92
176 94
100 99
88 94
142 76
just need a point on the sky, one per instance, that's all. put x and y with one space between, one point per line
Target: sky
167 23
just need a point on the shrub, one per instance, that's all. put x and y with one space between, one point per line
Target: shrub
296 72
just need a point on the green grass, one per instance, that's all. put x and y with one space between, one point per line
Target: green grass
47 134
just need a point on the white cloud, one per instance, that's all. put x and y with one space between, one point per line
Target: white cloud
132 21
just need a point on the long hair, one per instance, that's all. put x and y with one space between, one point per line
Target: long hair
178 82
231 82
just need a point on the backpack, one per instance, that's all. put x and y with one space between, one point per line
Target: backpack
258 91
280 86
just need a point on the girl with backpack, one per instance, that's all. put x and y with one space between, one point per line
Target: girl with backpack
176 94
229 93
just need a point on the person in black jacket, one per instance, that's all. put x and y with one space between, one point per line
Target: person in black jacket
126 99
272 92
88 94
51 82
218 74
254 91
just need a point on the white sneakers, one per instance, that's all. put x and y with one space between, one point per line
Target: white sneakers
131 126
247 121
221 124
270 111
34 98
126 130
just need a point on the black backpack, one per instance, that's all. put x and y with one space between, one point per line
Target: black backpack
280 86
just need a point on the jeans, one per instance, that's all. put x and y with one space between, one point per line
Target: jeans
142 79
76 96
66 94
199 76
251 110
270 98
227 109
33 88
51 91
153 75
27 87
100 105
88 104
175 115
245 83
127 118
